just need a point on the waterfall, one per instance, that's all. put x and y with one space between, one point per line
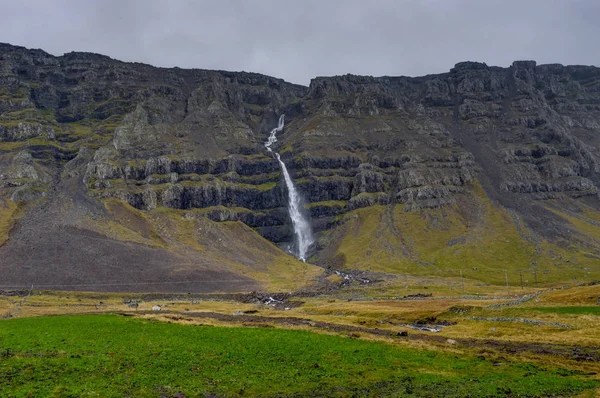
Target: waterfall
302 230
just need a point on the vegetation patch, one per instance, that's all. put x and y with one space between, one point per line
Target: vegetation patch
9 213
328 203
487 245
569 310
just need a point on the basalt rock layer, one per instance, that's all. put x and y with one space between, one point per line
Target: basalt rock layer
89 129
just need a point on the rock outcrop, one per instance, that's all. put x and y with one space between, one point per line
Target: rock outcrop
193 139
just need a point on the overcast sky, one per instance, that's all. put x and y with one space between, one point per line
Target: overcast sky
300 39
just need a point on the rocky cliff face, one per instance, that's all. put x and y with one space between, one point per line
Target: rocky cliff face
193 139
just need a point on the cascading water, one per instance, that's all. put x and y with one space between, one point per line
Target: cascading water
302 230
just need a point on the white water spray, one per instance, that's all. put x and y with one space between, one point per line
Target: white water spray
302 229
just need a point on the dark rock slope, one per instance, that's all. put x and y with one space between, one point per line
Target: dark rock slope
193 139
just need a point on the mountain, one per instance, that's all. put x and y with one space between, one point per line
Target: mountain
123 176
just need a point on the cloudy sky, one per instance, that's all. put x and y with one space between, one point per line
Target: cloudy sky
299 39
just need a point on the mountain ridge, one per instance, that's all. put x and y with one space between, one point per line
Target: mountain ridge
512 151
459 65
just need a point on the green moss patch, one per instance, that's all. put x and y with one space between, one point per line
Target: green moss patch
585 310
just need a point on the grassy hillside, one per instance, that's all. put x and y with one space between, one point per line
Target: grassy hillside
9 213
93 246
231 245
474 235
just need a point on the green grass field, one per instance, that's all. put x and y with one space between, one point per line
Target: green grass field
114 356
585 310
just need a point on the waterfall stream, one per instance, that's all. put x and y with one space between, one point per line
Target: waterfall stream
302 231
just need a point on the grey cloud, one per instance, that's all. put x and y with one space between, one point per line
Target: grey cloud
298 40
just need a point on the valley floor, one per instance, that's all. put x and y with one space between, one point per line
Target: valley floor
349 342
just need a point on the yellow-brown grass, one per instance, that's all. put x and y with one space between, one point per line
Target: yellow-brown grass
9 214
390 315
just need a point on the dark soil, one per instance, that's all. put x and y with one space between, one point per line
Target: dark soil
50 249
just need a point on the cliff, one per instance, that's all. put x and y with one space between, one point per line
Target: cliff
423 174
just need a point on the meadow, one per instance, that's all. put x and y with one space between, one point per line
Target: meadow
71 344
114 356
